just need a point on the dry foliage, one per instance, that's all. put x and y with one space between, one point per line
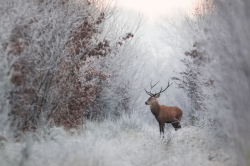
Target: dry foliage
63 93
201 8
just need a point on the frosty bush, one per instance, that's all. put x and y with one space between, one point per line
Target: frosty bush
60 54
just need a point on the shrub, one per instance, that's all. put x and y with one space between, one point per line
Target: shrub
59 53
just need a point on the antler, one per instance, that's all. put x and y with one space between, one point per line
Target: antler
164 89
152 86
150 93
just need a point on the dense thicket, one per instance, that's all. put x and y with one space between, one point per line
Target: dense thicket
63 58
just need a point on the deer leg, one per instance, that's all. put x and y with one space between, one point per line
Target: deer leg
162 128
176 124
179 123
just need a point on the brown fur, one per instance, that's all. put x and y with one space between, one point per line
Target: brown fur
165 114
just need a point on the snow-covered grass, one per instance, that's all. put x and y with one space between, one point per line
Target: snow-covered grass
124 141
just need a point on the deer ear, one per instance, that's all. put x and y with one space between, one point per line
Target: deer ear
157 96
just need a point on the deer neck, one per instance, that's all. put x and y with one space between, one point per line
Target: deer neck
155 108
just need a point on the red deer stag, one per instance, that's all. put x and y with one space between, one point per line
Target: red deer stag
162 113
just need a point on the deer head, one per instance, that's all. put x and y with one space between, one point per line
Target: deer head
153 97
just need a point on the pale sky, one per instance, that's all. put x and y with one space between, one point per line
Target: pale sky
152 9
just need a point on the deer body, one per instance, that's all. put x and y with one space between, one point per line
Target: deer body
168 114
162 113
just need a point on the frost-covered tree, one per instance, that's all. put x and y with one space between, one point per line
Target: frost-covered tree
61 53
230 68
222 33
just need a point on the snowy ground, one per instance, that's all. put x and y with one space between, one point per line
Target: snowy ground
127 141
